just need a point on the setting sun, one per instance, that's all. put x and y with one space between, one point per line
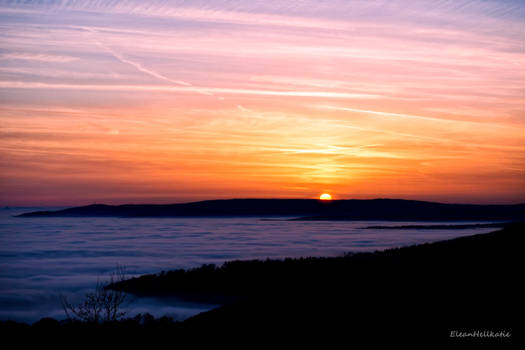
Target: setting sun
325 197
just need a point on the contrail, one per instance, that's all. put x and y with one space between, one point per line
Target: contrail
142 68
138 66
386 114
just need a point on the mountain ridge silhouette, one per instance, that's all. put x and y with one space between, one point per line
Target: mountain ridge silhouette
303 209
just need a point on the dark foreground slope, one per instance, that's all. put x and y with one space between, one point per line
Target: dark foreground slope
418 293
309 209
423 291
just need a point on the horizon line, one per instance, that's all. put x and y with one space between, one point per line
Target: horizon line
7 206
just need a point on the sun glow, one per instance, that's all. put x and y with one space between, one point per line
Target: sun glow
93 108
325 197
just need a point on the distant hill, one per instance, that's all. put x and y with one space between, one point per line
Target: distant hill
304 209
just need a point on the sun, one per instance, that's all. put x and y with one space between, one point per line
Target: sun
326 197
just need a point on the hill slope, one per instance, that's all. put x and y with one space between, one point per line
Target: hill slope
428 290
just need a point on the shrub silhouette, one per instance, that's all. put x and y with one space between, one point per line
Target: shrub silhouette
101 305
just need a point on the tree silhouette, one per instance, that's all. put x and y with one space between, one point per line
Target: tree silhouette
101 305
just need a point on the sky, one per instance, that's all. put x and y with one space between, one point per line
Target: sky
174 101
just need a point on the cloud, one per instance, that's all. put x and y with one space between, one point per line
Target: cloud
371 95
385 114
39 57
184 89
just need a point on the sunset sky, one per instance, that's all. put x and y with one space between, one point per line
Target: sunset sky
172 101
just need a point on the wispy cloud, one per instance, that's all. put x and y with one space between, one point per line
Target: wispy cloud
39 57
220 96
183 89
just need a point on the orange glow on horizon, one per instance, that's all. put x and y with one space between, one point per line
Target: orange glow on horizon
372 102
325 197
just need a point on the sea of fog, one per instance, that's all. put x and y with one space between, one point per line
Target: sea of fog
43 258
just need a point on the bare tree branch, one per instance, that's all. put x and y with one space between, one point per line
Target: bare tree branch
101 305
